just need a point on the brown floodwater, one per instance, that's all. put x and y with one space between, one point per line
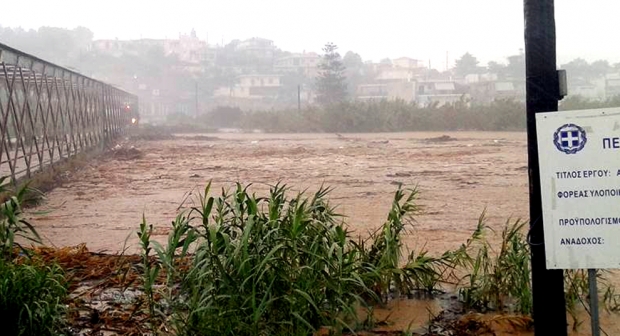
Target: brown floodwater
458 177
103 203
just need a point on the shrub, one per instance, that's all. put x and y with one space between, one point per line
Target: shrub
391 116
223 116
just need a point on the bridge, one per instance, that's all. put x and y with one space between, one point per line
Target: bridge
49 113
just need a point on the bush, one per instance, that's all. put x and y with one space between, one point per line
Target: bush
182 123
391 116
402 116
31 299
223 116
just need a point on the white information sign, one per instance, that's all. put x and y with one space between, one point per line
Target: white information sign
579 153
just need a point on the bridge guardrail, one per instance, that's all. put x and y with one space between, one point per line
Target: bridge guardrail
49 113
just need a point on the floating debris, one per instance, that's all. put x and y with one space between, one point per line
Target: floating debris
442 138
122 153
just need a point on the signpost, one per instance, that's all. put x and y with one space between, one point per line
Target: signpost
543 93
580 183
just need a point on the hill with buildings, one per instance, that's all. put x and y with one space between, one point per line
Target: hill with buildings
188 76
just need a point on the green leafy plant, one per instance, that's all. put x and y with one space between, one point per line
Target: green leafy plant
31 298
286 269
150 270
274 265
496 279
420 271
575 290
12 223
239 264
31 294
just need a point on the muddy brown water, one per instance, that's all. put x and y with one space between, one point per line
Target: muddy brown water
104 202
458 175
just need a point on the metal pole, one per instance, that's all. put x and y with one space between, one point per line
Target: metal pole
298 97
196 98
596 329
549 308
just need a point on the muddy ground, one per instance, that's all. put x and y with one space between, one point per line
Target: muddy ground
458 176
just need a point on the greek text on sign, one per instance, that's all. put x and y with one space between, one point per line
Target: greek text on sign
579 154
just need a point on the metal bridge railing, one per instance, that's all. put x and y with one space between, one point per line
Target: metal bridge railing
49 113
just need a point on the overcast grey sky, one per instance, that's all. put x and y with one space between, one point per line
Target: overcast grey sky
422 29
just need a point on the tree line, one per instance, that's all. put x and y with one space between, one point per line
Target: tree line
390 116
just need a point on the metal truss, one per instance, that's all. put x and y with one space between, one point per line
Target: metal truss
49 113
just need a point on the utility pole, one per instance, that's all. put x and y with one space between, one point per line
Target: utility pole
298 97
543 93
196 99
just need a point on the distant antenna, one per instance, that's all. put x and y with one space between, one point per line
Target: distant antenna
447 62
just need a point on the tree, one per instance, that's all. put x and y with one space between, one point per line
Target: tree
577 68
352 61
289 86
331 82
355 70
467 64
516 66
496 68
600 68
386 61
581 69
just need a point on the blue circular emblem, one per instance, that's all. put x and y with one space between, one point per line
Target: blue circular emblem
570 138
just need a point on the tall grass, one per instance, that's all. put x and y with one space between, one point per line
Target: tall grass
12 224
419 272
149 269
273 266
496 279
577 291
500 280
31 294
278 265
286 264
31 299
